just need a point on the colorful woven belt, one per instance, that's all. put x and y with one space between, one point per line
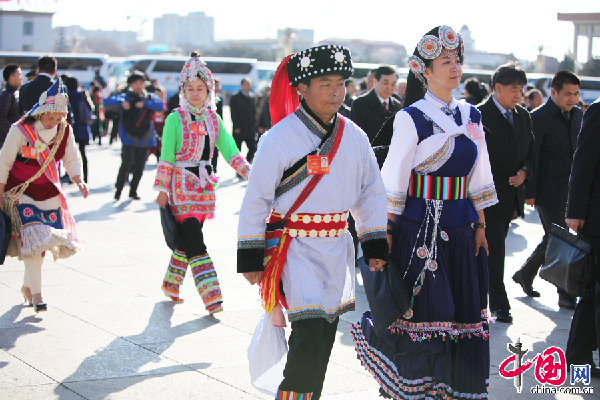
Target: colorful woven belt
314 225
438 187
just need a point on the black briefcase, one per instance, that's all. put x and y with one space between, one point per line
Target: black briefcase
386 294
569 263
169 227
5 235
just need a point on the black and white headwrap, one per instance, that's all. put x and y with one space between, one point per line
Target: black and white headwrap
320 61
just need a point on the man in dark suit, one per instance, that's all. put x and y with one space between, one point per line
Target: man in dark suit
243 115
511 148
556 125
583 216
370 110
30 93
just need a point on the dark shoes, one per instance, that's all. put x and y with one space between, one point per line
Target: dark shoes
567 302
526 286
503 316
118 195
41 307
134 196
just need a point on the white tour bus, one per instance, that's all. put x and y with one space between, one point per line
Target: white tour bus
589 90
80 65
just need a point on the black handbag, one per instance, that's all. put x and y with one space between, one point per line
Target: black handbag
569 264
169 227
386 294
5 235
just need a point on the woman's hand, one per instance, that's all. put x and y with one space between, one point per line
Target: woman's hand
376 264
83 189
253 277
162 199
389 239
480 241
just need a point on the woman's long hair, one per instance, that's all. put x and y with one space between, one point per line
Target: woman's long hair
415 89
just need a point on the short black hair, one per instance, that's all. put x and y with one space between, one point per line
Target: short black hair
472 86
348 82
384 70
245 80
71 82
47 64
135 76
8 70
530 94
509 74
562 77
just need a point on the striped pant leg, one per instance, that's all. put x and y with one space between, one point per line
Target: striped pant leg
287 395
207 283
175 273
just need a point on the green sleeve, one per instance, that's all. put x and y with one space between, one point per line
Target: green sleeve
225 142
171 138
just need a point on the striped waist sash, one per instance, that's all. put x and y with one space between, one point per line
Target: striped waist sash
438 187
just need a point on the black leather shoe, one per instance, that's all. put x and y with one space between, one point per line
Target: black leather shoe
527 288
118 195
566 302
503 316
134 196
41 307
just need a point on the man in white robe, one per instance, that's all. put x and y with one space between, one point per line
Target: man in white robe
317 277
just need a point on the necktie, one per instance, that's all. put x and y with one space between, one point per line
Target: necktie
567 116
509 116
385 106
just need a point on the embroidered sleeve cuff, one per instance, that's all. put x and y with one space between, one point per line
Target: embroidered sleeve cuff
375 248
396 202
240 165
164 174
484 197
250 260
370 234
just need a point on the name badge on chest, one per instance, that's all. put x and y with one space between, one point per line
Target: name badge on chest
197 129
474 131
318 164
29 152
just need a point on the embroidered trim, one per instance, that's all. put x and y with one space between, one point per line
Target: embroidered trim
164 175
420 331
251 244
396 201
437 159
288 395
310 122
240 165
484 196
386 374
295 314
370 234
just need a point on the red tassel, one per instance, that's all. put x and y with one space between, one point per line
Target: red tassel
284 97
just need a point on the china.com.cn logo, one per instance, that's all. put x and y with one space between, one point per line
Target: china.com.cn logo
550 368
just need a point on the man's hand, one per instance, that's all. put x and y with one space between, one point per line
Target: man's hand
139 104
237 130
530 202
376 264
253 277
575 223
125 105
518 179
162 199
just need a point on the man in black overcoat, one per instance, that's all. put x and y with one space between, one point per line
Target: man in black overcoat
556 125
370 110
243 115
583 216
30 93
511 148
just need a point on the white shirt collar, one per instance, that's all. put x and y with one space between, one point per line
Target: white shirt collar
502 109
439 103
381 100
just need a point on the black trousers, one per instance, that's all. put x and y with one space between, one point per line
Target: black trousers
310 346
214 160
191 238
495 233
530 269
84 162
250 143
584 336
131 156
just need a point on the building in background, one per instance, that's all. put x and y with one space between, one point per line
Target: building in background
25 30
75 39
195 29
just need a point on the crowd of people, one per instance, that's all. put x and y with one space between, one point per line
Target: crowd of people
424 183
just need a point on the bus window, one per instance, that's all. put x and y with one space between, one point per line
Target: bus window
168 66
79 64
141 65
589 85
219 67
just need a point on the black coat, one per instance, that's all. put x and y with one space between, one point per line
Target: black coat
555 144
243 115
368 113
9 111
584 185
30 93
510 148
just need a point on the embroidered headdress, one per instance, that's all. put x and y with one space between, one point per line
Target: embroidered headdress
305 65
194 69
53 100
431 46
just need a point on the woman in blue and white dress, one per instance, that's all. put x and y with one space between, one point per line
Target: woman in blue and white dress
438 180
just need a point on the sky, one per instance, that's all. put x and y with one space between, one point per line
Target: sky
505 26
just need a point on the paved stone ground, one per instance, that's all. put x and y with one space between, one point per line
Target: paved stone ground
110 333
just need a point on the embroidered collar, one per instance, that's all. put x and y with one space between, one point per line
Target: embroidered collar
314 123
448 109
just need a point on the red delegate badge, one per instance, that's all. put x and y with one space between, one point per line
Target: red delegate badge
474 131
318 164
29 152
197 129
